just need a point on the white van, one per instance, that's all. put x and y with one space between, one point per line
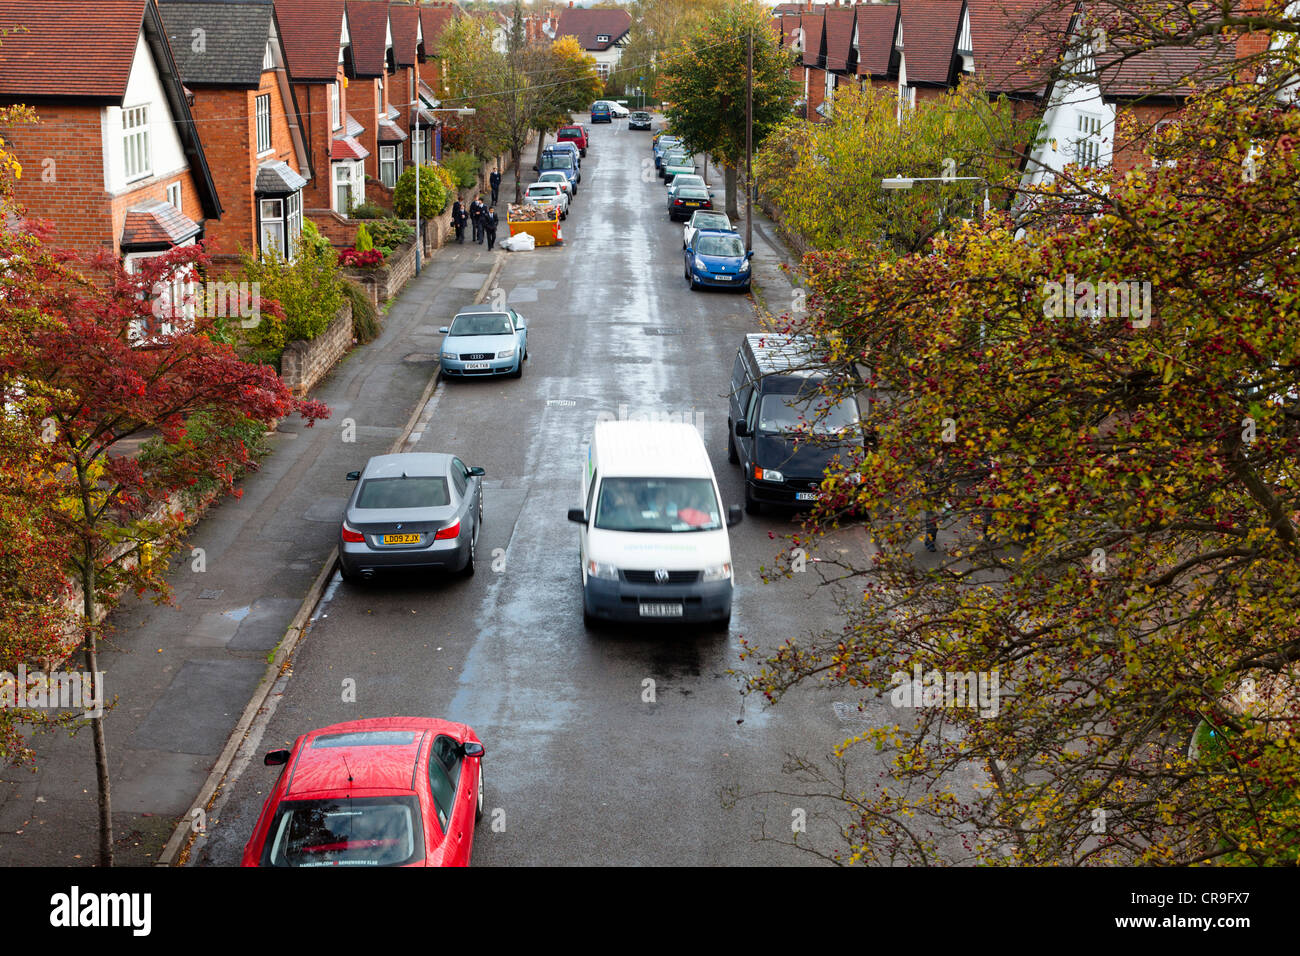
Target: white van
654 541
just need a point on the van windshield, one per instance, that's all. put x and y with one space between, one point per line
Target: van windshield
805 414
658 505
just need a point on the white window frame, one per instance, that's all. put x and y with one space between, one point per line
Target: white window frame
602 70
342 179
268 58
136 147
388 158
1087 147
336 106
174 195
263 122
280 224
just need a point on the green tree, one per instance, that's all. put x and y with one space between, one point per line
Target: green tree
824 179
564 81
433 193
705 82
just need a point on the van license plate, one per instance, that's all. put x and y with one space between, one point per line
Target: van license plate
805 496
661 610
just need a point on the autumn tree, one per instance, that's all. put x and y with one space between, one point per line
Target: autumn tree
658 27
705 81
35 617
563 80
111 360
1106 417
825 179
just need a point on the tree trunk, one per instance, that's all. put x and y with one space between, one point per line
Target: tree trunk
541 145
92 665
515 156
729 174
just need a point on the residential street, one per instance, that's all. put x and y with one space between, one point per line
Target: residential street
584 770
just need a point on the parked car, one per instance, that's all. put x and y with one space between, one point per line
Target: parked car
665 144
482 340
386 791
717 259
548 195
687 179
687 199
653 542
566 147
411 510
616 110
562 160
705 219
575 134
774 387
560 178
601 113
639 119
675 163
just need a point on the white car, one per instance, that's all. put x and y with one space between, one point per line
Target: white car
705 219
616 110
548 195
557 176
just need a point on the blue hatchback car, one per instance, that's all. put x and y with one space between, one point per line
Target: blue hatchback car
717 258
482 340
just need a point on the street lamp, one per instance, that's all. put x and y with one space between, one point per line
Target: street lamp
419 157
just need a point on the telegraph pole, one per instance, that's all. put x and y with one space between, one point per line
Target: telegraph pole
749 144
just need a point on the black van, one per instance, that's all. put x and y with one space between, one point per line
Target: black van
774 382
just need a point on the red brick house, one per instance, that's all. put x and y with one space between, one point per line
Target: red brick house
317 47
406 96
601 32
231 59
374 64
813 37
934 45
115 161
435 17
841 59
1151 89
877 43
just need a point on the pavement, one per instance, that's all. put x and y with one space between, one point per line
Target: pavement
183 674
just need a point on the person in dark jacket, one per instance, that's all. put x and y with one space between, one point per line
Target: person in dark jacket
458 219
476 210
495 182
490 221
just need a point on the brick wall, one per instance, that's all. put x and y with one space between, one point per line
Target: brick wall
816 92
314 106
341 232
1130 151
227 117
63 180
304 364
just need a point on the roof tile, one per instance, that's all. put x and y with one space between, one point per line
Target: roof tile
311 31
35 60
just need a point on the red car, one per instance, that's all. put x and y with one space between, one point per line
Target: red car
391 791
576 135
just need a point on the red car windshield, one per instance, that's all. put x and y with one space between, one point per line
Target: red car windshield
345 831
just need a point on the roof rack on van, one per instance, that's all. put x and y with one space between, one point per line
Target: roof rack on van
785 354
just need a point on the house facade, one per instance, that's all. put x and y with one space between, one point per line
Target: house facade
232 60
317 45
371 103
601 33
114 161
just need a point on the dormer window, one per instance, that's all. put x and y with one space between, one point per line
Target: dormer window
602 38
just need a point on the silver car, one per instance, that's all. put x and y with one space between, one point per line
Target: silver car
704 219
411 510
482 340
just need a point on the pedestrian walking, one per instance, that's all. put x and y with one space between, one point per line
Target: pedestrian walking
458 219
476 210
490 221
931 531
495 182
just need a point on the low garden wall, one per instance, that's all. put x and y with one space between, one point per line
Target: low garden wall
303 364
